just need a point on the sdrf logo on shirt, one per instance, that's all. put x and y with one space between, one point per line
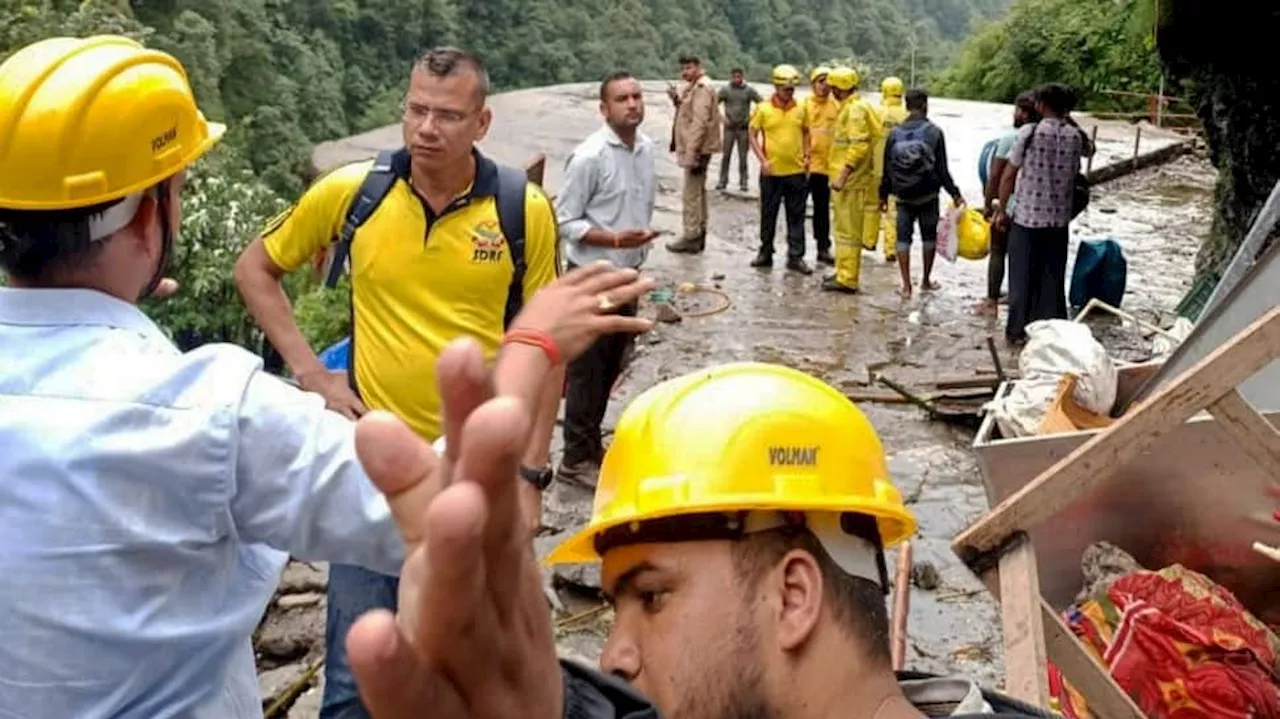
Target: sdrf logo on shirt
487 243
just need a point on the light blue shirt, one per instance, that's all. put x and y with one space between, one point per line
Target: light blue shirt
607 186
148 502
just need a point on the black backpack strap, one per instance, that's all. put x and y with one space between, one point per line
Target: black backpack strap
511 220
377 183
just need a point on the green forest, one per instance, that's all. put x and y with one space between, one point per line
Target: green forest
1099 47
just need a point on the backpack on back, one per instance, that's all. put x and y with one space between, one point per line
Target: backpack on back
373 190
911 161
985 159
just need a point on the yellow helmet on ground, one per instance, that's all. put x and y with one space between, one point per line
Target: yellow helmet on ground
892 87
91 120
739 438
818 72
843 78
786 75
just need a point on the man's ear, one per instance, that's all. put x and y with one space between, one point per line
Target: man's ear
486 119
798 579
144 225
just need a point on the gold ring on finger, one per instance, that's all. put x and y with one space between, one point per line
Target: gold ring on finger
604 304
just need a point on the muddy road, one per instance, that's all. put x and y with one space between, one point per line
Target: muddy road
1159 216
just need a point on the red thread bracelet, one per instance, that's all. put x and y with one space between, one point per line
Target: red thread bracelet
535 338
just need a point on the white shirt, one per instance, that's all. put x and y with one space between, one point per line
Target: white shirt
149 500
607 186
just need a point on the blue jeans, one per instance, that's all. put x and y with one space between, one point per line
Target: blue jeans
925 214
352 592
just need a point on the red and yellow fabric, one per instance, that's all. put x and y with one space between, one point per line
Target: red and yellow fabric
1182 646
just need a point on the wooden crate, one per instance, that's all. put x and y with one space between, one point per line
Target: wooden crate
998 549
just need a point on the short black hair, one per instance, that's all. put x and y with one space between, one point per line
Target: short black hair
610 79
858 604
916 99
38 245
738 71
1026 101
446 61
686 59
1057 98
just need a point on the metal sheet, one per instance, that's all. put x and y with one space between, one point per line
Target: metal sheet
1256 294
1193 499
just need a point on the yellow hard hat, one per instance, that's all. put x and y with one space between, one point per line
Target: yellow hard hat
91 120
818 72
786 75
892 87
843 78
736 438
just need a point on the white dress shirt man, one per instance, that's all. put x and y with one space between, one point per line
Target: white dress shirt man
604 209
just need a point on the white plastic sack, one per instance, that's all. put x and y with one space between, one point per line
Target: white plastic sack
1055 348
948 233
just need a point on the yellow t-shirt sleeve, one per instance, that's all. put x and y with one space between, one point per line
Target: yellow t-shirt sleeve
296 235
541 242
757 119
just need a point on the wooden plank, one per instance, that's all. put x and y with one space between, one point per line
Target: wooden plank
1255 435
1097 460
1088 675
1078 665
901 608
1025 657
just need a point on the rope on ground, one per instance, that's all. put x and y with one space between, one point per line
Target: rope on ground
689 289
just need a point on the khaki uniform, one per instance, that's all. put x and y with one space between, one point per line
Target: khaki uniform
696 137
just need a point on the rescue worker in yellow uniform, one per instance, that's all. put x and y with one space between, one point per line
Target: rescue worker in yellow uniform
892 113
821 110
851 165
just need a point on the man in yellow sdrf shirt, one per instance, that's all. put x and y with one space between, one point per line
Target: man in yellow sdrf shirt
780 141
852 167
820 110
431 264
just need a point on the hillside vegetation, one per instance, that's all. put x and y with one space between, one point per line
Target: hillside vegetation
1093 45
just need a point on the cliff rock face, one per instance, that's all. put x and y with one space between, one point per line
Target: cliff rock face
1220 54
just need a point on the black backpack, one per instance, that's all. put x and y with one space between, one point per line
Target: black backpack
1080 192
911 161
373 190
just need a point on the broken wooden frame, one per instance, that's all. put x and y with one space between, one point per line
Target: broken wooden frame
997 548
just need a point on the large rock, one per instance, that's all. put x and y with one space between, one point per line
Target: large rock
1237 98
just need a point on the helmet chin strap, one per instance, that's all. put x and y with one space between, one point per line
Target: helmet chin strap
166 239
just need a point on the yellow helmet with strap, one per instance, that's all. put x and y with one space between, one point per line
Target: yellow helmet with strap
892 87
817 72
738 439
91 120
786 75
843 78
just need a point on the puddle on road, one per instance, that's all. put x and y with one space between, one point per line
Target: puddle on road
1159 216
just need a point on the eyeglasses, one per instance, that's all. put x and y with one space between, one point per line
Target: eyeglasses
418 114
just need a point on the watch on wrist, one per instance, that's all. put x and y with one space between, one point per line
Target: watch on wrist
540 478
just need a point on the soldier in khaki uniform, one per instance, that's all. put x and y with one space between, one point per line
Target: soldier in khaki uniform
694 139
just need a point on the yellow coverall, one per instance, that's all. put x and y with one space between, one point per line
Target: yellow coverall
858 130
892 114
